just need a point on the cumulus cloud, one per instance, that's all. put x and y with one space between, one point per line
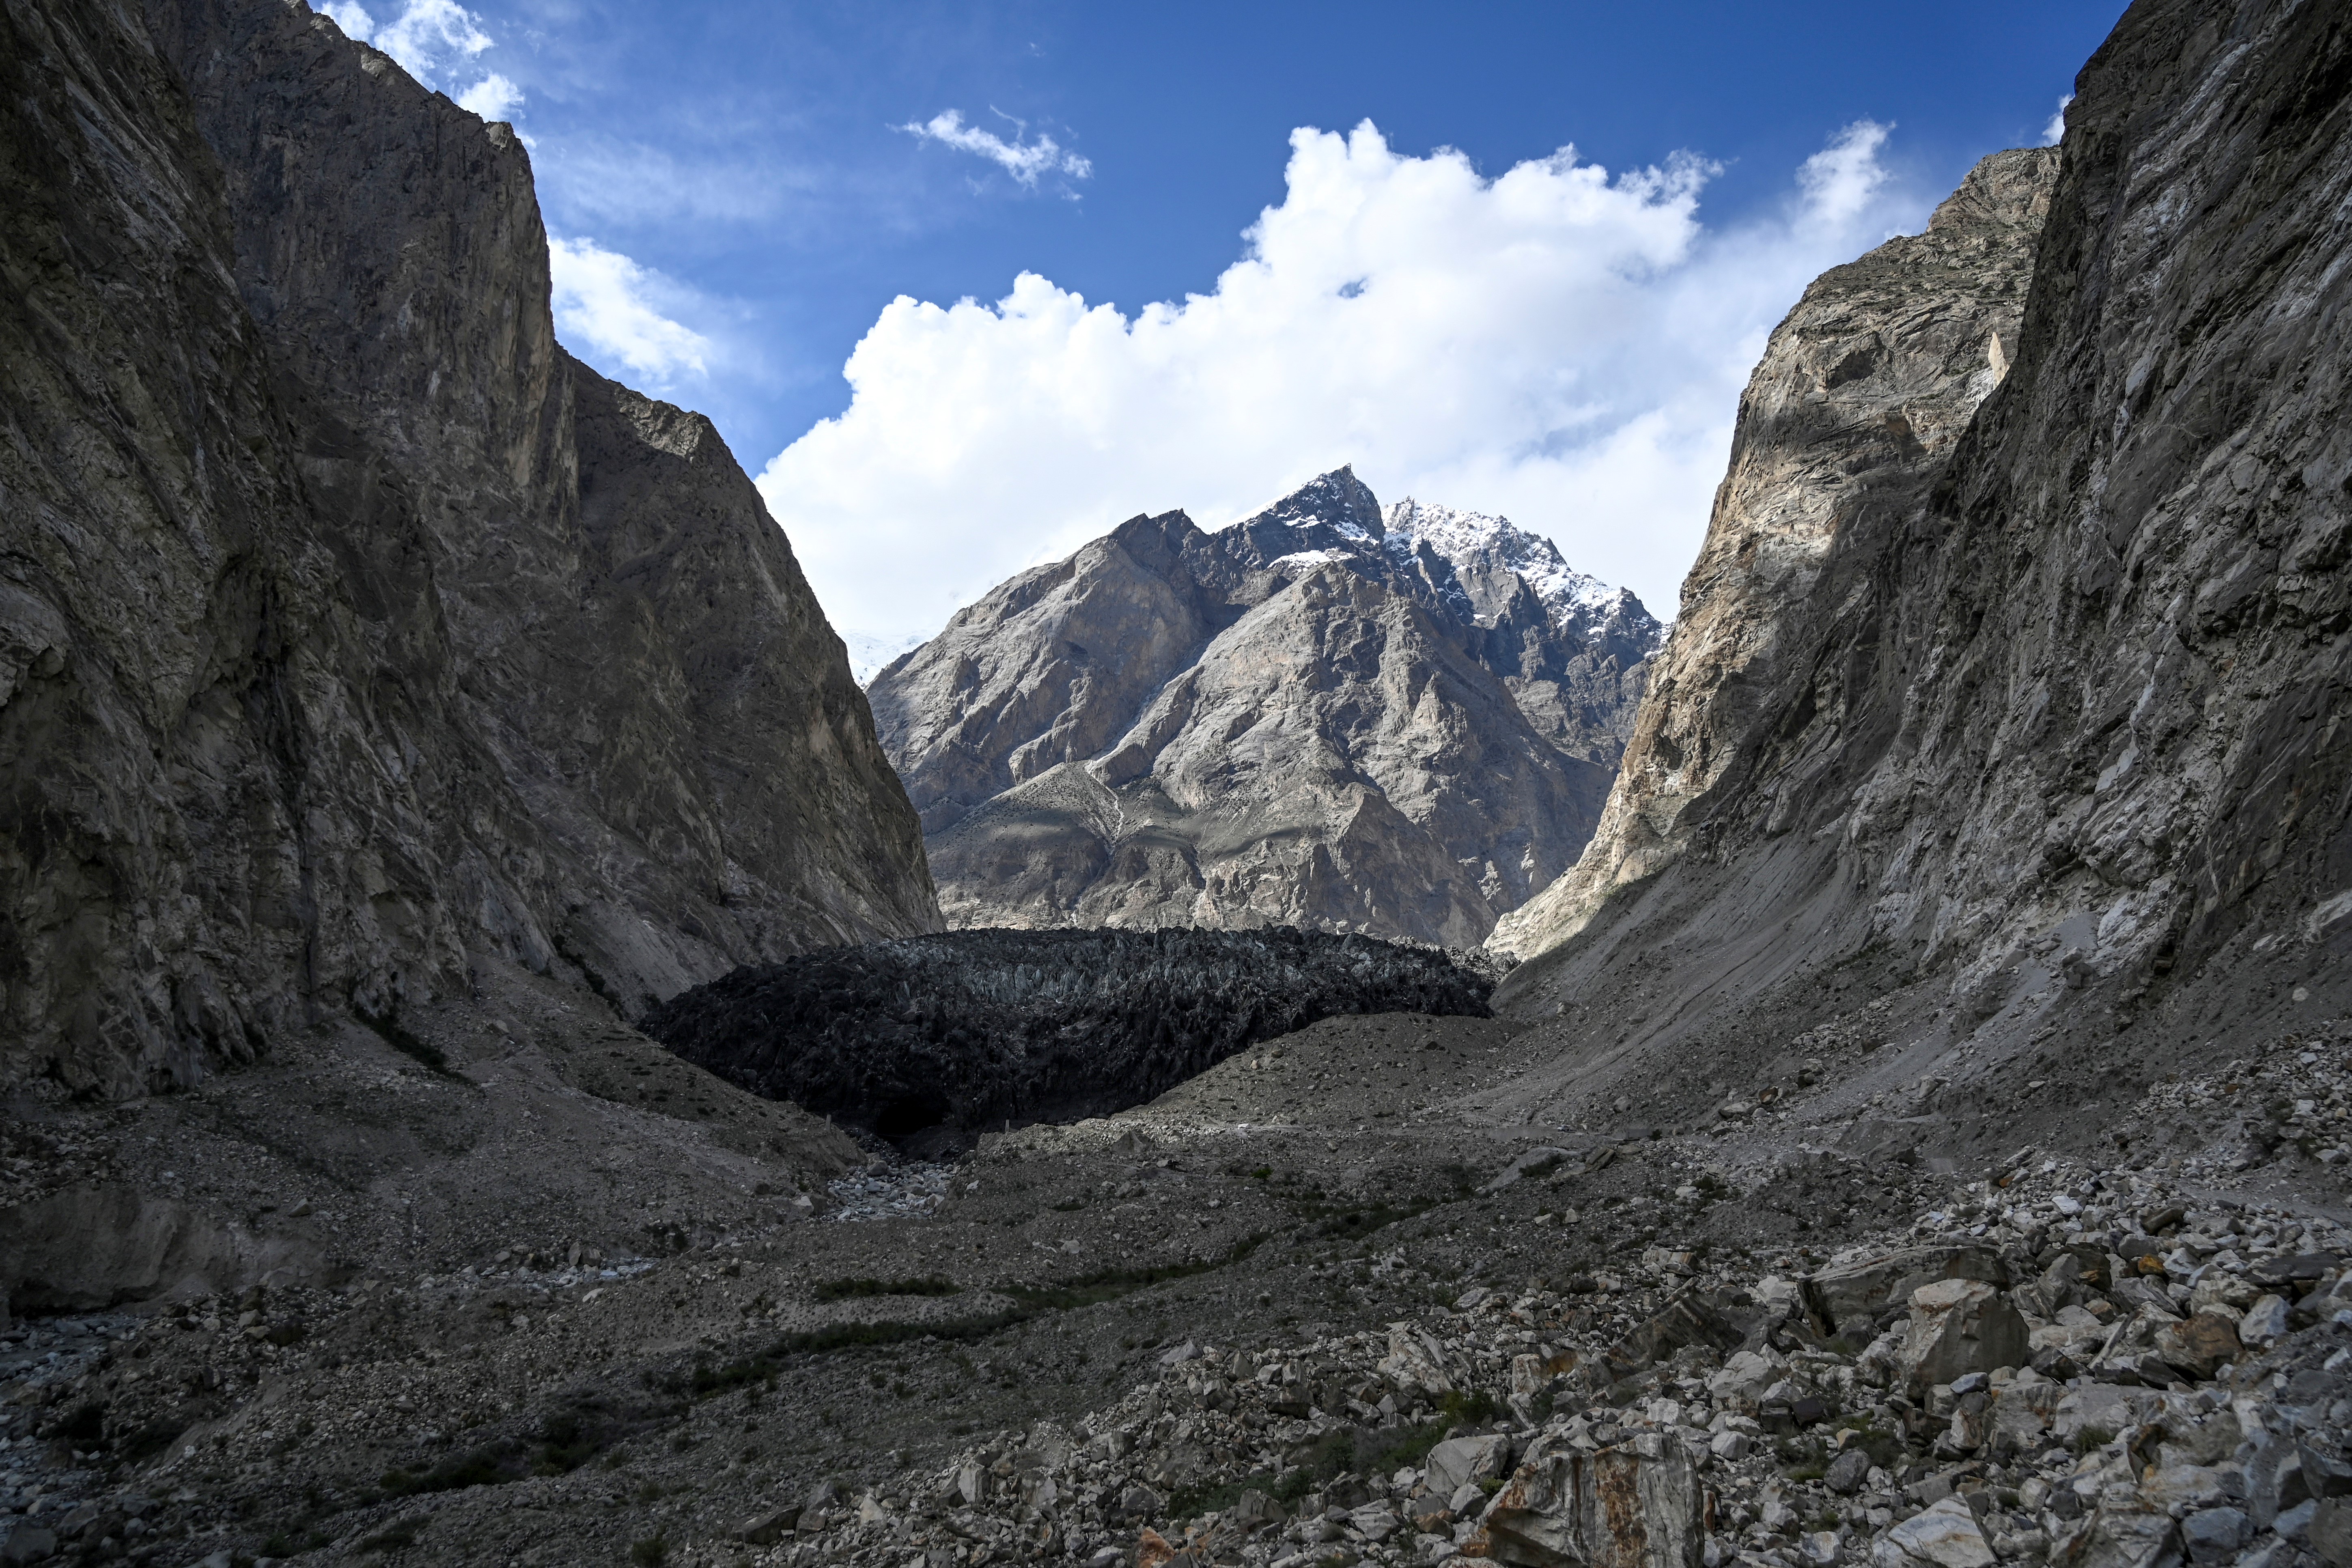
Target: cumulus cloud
493 98
1557 344
608 310
433 39
2055 131
1025 161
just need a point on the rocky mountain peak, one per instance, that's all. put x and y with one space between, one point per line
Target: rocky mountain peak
1487 560
1286 721
1336 506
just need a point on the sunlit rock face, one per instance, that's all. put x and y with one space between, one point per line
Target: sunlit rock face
2007 694
1331 715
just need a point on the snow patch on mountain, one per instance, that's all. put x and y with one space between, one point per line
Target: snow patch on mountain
1475 541
868 653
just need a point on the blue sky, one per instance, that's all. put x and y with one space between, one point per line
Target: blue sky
742 195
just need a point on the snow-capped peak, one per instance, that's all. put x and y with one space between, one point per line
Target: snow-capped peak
868 652
1337 500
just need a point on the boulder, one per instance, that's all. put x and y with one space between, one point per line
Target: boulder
2215 1534
2022 1412
1413 1362
1691 1317
28 1543
1636 1505
1846 1299
1960 1326
2330 1533
2199 1346
1253 1511
2072 1274
1459 1461
1741 1385
768 1526
2121 1538
1942 1535
2264 1321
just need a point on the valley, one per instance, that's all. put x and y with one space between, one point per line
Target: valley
1335 1040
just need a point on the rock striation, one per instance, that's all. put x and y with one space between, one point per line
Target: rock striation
2011 685
353 635
1326 715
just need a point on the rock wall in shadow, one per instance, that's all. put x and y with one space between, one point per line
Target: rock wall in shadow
923 1039
353 635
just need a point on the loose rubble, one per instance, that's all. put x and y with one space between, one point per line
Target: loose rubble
1249 1324
2139 1378
893 1189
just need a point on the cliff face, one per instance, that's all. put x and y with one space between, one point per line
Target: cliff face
1859 401
352 633
1321 716
2041 736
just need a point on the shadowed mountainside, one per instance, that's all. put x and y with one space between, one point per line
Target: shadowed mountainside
351 633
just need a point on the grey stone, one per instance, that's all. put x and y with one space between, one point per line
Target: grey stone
1847 1472
768 1526
1847 1298
2325 1475
1960 1326
2330 1534
2122 1538
2265 1323
1459 1461
1637 1505
1945 1534
2215 1534
28 1543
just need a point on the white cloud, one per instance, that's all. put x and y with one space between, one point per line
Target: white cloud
2055 131
1839 181
353 19
608 310
1024 160
432 35
431 38
1553 344
492 98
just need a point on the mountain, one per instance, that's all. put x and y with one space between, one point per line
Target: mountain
870 651
354 636
1573 651
2007 719
1324 715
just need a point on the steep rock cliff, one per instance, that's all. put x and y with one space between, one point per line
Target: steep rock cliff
1318 716
1861 399
2042 741
350 633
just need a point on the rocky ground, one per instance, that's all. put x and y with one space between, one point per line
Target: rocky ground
1318 1305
